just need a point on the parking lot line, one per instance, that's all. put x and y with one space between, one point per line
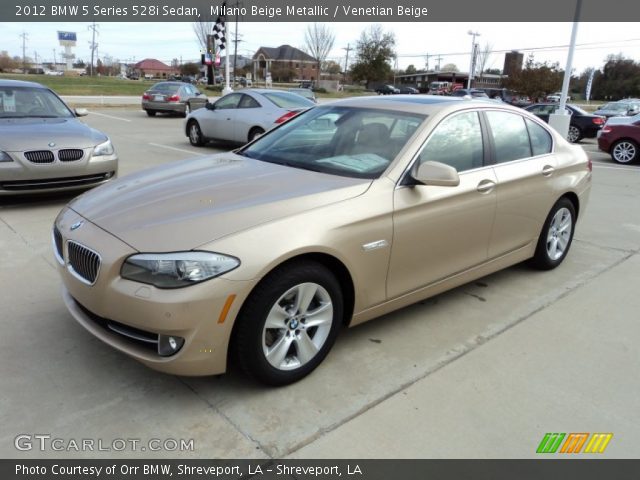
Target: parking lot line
109 116
615 167
176 149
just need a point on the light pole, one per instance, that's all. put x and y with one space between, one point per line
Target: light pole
473 55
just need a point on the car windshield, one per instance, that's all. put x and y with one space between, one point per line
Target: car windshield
287 100
346 141
25 102
616 107
164 88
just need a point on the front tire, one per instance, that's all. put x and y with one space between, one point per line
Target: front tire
556 236
289 323
187 109
625 151
195 134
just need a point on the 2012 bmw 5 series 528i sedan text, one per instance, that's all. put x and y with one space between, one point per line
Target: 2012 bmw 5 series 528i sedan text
346 212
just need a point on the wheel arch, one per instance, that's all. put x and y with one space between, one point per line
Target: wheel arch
573 198
333 264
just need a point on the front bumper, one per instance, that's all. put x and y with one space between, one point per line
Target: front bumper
195 313
21 176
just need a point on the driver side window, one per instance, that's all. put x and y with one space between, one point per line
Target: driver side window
228 101
456 142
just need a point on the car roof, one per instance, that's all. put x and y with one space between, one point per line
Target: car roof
21 83
423 104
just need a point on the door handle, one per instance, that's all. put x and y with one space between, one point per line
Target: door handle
548 170
486 186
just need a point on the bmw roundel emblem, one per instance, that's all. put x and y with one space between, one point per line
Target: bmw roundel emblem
76 225
52 144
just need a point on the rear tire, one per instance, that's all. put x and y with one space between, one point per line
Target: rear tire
556 236
151 113
289 323
574 135
624 151
195 134
254 133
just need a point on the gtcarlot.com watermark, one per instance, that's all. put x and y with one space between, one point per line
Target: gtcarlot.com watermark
44 442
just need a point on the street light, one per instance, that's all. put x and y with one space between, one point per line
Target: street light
473 54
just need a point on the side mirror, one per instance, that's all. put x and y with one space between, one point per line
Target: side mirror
81 112
436 173
210 106
198 93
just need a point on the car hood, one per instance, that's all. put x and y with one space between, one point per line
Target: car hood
185 205
20 134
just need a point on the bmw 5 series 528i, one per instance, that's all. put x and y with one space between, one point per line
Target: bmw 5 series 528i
346 212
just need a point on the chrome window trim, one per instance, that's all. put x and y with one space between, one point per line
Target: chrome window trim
55 247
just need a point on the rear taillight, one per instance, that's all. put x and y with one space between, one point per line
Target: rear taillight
173 98
146 96
606 129
286 117
598 121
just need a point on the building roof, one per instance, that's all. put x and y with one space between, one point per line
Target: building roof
152 64
284 52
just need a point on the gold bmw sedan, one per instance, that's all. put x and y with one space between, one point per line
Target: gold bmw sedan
346 212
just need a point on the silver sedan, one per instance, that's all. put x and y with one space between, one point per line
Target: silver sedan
172 97
239 117
44 147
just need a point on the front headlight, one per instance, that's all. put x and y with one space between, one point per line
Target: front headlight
175 270
4 157
105 148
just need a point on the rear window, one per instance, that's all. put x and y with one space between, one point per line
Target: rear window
164 88
287 100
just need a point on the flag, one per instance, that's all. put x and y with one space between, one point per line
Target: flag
219 29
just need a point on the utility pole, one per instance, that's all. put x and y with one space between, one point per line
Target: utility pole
346 61
438 57
235 41
472 63
55 61
35 54
24 36
93 27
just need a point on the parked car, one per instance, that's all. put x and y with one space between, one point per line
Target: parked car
621 141
305 92
44 147
581 125
387 90
172 97
346 212
239 117
472 92
409 90
620 108
55 73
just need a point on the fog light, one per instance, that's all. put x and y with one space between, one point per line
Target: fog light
169 345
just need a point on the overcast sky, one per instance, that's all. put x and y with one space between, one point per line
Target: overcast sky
165 41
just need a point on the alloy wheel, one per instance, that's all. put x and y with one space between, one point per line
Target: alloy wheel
624 152
297 326
559 234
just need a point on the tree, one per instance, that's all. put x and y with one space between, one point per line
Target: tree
202 29
493 71
332 67
318 39
374 52
6 62
482 57
189 68
450 67
619 78
410 70
536 80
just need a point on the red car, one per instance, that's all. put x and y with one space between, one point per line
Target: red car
621 141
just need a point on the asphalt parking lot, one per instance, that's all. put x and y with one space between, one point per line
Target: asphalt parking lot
482 371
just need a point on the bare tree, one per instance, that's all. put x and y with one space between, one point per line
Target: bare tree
318 39
203 28
482 58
